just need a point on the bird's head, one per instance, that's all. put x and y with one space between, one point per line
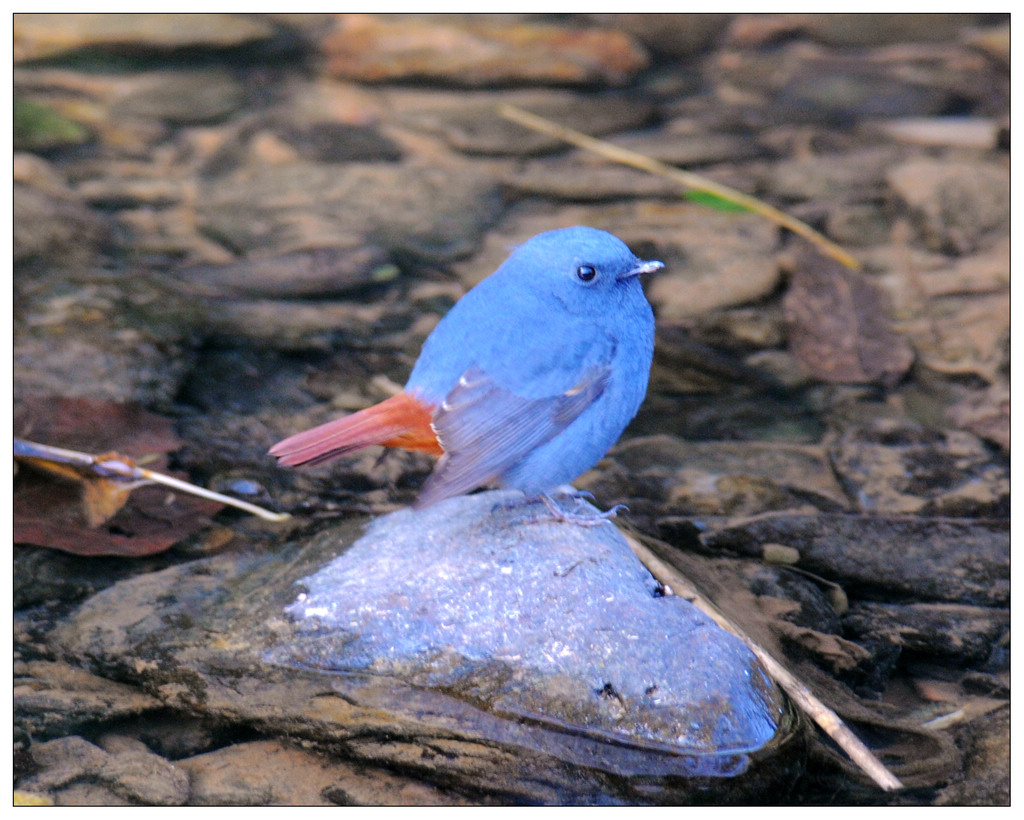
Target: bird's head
588 270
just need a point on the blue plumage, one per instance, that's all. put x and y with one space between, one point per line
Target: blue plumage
565 304
527 381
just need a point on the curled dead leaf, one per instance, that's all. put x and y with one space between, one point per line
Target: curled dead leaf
78 503
838 325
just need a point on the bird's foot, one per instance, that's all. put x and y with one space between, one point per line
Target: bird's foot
588 517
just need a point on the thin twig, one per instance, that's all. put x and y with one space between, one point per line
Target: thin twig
826 718
112 467
685 178
202 492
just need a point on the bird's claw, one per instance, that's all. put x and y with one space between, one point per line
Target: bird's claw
589 519
614 511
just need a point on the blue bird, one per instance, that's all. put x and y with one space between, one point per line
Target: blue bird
526 382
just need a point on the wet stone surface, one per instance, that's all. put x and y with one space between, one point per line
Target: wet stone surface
463 625
897 554
570 608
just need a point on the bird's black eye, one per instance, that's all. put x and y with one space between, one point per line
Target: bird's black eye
586 273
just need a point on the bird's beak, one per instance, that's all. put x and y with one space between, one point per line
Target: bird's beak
641 268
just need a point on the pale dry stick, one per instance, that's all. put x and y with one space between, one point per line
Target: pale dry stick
827 719
685 178
113 468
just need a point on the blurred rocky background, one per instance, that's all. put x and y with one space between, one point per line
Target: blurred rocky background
247 224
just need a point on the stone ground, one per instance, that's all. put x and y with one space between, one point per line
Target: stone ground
247 224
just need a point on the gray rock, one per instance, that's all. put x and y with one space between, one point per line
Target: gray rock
867 30
686 143
850 30
967 297
893 467
804 82
55 229
77 772
986 413
577 618
854 175
130 192
44 35
964 633
742 329
985 779
317 274
713 260
55 698
84 793
472 51
955 132
254 774
171 736
858 224
276 773
279 324
582 177
449 642
719 477
938 559
63 761
960 207
838 324
339 142
843 90
137 353
143 777
431 214
673 35
183 97
584 182
471 124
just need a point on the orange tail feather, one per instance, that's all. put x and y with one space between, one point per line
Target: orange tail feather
401 421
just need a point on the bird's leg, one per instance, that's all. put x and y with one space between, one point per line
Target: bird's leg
591 518
512 503
587 519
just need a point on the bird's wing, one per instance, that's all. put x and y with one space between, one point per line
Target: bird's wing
485 428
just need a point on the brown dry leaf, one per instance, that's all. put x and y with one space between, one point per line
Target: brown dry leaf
837 653
59 506
96 426
101 497
838 327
